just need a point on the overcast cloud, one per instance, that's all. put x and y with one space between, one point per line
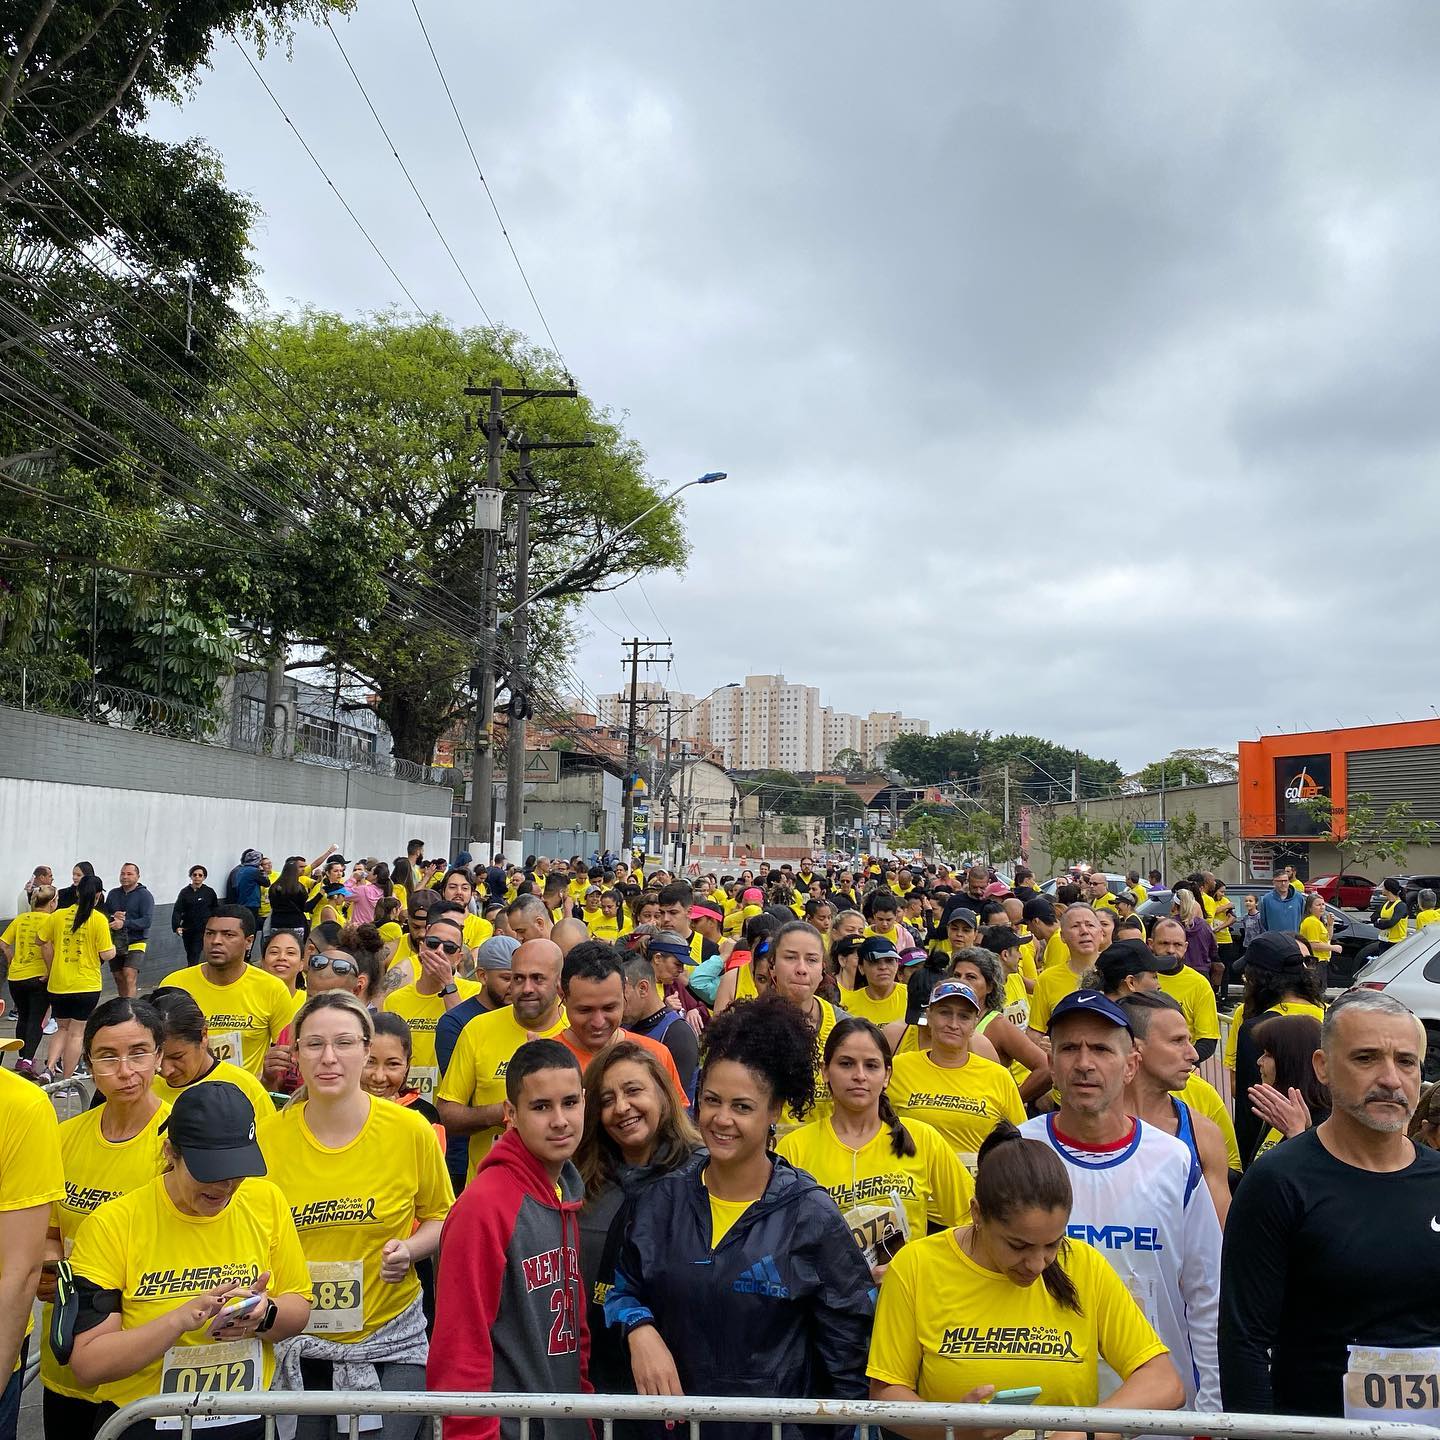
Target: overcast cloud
1074 364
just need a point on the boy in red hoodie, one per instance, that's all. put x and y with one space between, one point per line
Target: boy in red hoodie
509 1299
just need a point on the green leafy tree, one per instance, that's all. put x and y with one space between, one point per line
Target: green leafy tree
1039 769
1363 837
1073 839
1192 845
1188 767
849 762
378 431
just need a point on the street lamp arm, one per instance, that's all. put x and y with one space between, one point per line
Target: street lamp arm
707 479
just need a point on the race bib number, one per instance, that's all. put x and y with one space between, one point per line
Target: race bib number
879 1230
970 1160
233 1367
425 1078
337 1295
1401 1385
1018 1014
225 1046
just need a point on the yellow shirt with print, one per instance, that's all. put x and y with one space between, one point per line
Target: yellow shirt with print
244 1018
933 1187
349 1200
422 1013
1188 988
156 1257
75 962
23 935
96 1170
476 1074
32 1172
963 1103
945 1324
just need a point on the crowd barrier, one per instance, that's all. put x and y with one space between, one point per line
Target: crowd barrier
694 1411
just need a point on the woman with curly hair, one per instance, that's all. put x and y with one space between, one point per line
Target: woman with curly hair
739 1276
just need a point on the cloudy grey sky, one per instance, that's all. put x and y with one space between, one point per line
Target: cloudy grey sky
1073 364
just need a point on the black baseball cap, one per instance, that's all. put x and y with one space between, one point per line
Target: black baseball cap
1127 957
1001 937
1090 1002
1274 952
877 947
212 1126
962 912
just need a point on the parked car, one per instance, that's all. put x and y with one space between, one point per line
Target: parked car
1350 892
1353 934
1410 971
1410 887
1116 883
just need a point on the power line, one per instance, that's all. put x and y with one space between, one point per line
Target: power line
475 160
405 170
314 160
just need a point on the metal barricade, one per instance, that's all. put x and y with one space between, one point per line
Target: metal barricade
70 1097
694 1411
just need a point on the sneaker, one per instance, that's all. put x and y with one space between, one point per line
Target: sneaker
49 1027
25 1068
41 1077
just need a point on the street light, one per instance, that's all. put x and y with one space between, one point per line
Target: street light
709 478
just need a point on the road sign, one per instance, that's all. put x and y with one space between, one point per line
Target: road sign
1262 862
542 767
1152 831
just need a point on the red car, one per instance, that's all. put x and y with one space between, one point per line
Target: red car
1354 891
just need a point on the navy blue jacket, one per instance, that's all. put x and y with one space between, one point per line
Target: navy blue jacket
781 1307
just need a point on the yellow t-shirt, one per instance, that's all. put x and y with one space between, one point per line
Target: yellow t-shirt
476 1074
31 1170
422 1014
964 1104
788 1120
245 1017
96 1170
723 1216
1272 1138
1426 917
882 1012
1140 893
1188 988
75 965
603 927
1313 932
1285 1007
23 935
944 1325
1054 984
253 1090
1203 1098
1027 960
1057 952
142 1246
348 1201
932 1185
477 931
1105 902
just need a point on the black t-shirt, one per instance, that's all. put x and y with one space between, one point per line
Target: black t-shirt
1320 1256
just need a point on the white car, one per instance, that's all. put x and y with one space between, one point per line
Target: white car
1410 971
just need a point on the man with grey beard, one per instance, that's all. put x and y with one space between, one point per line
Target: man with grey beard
1331 1265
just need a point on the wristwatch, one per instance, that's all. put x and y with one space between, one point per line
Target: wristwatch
450 989
268 1323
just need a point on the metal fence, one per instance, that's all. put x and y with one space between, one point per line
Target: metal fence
26 687
695 1411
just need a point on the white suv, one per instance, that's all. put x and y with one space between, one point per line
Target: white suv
1410 971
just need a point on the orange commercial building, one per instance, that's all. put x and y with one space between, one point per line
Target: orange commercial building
1282 775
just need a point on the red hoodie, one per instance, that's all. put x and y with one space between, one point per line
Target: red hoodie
509 1298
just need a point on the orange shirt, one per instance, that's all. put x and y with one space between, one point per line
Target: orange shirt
659 1051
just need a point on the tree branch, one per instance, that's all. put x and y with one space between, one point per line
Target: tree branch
23 54
58 65
9 185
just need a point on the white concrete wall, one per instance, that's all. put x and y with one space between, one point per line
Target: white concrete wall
43 822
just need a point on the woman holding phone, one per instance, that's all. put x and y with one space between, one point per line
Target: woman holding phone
139 1322
989 1269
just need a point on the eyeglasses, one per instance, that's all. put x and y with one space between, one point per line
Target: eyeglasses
449 947
339 965
109 1064
343 1045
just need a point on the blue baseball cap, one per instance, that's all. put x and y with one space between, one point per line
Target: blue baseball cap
1089 1002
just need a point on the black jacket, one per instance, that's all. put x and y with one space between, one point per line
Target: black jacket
193 908
781 1308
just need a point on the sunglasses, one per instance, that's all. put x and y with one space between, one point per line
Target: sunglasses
448 947
339 965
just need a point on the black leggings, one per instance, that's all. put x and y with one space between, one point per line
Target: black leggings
30 1006
67 1418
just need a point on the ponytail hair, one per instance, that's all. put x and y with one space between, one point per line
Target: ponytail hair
1014 1173
88 894
902 1142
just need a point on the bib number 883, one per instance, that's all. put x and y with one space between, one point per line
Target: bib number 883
334 1294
